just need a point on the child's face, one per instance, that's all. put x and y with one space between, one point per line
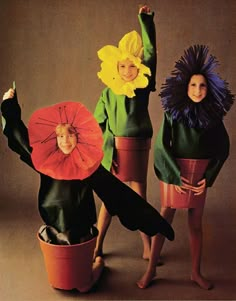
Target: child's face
127 70
66 141
197 88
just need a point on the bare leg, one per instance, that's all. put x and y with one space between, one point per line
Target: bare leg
195 231
104 220
140 188
156 247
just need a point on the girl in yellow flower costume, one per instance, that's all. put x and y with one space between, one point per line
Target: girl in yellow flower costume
129 72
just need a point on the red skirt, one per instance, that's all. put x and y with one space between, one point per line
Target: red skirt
193 170
131 156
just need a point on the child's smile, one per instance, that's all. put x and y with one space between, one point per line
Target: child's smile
127 70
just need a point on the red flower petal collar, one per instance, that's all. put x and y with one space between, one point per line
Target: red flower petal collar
48 158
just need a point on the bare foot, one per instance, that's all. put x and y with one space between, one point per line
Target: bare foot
202 282
97 269
145 281
98 266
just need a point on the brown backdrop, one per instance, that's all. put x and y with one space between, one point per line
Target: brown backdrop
50 49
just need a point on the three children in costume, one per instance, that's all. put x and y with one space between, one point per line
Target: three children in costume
195 101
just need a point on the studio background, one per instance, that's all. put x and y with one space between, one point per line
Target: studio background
50 49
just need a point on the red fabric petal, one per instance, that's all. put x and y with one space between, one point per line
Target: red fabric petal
48 158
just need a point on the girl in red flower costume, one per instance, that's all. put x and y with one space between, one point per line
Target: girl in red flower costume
63 143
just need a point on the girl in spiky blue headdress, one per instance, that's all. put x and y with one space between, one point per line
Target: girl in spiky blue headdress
191 147
181 106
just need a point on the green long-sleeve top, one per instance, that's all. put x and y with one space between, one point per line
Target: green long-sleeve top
174 140
121 116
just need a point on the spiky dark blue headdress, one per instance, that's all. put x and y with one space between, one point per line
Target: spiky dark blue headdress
174 96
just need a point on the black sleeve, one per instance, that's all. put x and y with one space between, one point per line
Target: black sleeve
132 210
15 130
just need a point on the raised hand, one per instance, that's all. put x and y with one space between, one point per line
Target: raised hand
9 94
144 9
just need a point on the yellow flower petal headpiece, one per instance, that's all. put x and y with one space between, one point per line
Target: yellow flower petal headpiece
130 47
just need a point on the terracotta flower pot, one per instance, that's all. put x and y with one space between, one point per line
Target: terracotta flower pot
193 170
132 158
69 266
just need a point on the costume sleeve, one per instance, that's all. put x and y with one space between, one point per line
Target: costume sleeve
15 130
133 211
220 147
149 44
102 118
165 164
100 113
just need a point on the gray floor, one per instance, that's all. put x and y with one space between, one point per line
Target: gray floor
23 276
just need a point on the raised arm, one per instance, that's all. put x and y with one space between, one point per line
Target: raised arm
149 41
14 128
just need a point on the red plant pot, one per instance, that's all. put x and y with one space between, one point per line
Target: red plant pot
131 156
69 266
193 170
